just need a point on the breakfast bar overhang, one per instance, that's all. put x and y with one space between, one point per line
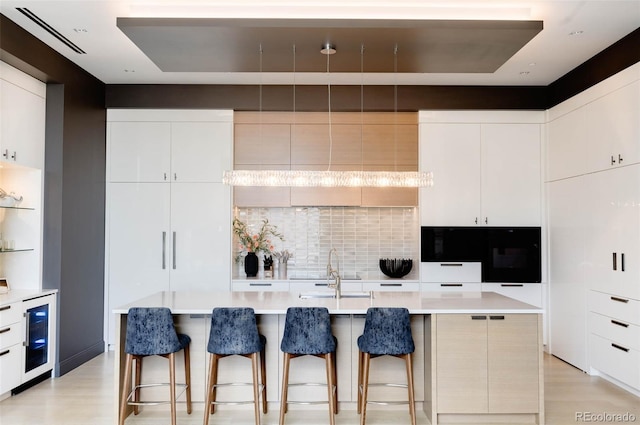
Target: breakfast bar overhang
478 355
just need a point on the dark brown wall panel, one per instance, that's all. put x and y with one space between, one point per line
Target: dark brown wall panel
73 254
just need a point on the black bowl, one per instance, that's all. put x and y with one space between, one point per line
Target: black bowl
395 267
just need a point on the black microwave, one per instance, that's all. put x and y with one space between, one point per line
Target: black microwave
507 254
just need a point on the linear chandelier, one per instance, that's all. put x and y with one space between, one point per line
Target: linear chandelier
326 178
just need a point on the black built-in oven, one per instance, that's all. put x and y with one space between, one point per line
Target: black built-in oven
507 254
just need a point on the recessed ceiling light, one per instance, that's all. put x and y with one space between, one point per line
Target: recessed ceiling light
129 70
579 32
532 64
80 30
524 73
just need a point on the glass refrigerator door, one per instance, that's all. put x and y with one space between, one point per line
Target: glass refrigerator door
37 347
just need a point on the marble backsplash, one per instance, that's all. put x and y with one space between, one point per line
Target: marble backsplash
361 236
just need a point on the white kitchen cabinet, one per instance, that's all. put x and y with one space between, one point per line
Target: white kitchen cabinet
452 153
139 151
391 285
167 237
10 346
566 150
613 129
169 146
568 270
484 174
22 108
614 237
530 293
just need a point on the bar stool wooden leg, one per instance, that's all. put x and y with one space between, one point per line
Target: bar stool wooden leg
214 381
172 386
256 388
126 388
412 404
329 366
263 370
359 388
187 377
335 382
138 380
366 359
209 389
285 385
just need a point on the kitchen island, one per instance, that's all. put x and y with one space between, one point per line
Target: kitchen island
478 355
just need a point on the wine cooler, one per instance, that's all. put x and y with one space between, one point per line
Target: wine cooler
39 337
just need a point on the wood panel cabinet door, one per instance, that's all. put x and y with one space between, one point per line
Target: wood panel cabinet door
200 234
461 363
262 144
452 153
513 363
139 151
200 151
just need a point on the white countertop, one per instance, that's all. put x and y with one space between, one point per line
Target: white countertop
19 295
278 302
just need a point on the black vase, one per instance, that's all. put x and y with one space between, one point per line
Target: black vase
251 264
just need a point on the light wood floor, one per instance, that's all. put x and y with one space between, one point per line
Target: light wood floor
85 396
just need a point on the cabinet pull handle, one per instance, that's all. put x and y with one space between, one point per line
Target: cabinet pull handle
164 250
175 176
615 322
620 347
512 285
613 160
3 331
174 250
450 264
478 317
320 284
260 284
486 220
622 261
476 220
14 156
615 261
620 300
6 307
496 317
5 352
27 326
450 284
165 176
391 284
619 159
6 153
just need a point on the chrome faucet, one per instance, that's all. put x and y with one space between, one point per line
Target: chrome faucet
333 274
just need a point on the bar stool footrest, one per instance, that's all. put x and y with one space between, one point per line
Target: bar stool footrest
153 403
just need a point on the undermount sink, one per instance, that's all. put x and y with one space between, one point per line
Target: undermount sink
350 294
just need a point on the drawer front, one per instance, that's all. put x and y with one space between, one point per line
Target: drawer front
10 313
315 286
450 287
626 334
10 335
261 285
451 272
530 293
10 368
627 288
391 286
616 360
616 307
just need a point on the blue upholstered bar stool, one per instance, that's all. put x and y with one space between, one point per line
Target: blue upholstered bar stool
150 332
387 331
234 331
307 332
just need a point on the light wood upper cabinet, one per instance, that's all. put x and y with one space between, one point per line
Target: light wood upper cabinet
308 141
258 144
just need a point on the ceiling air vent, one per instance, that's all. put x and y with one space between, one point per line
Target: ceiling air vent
48 28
